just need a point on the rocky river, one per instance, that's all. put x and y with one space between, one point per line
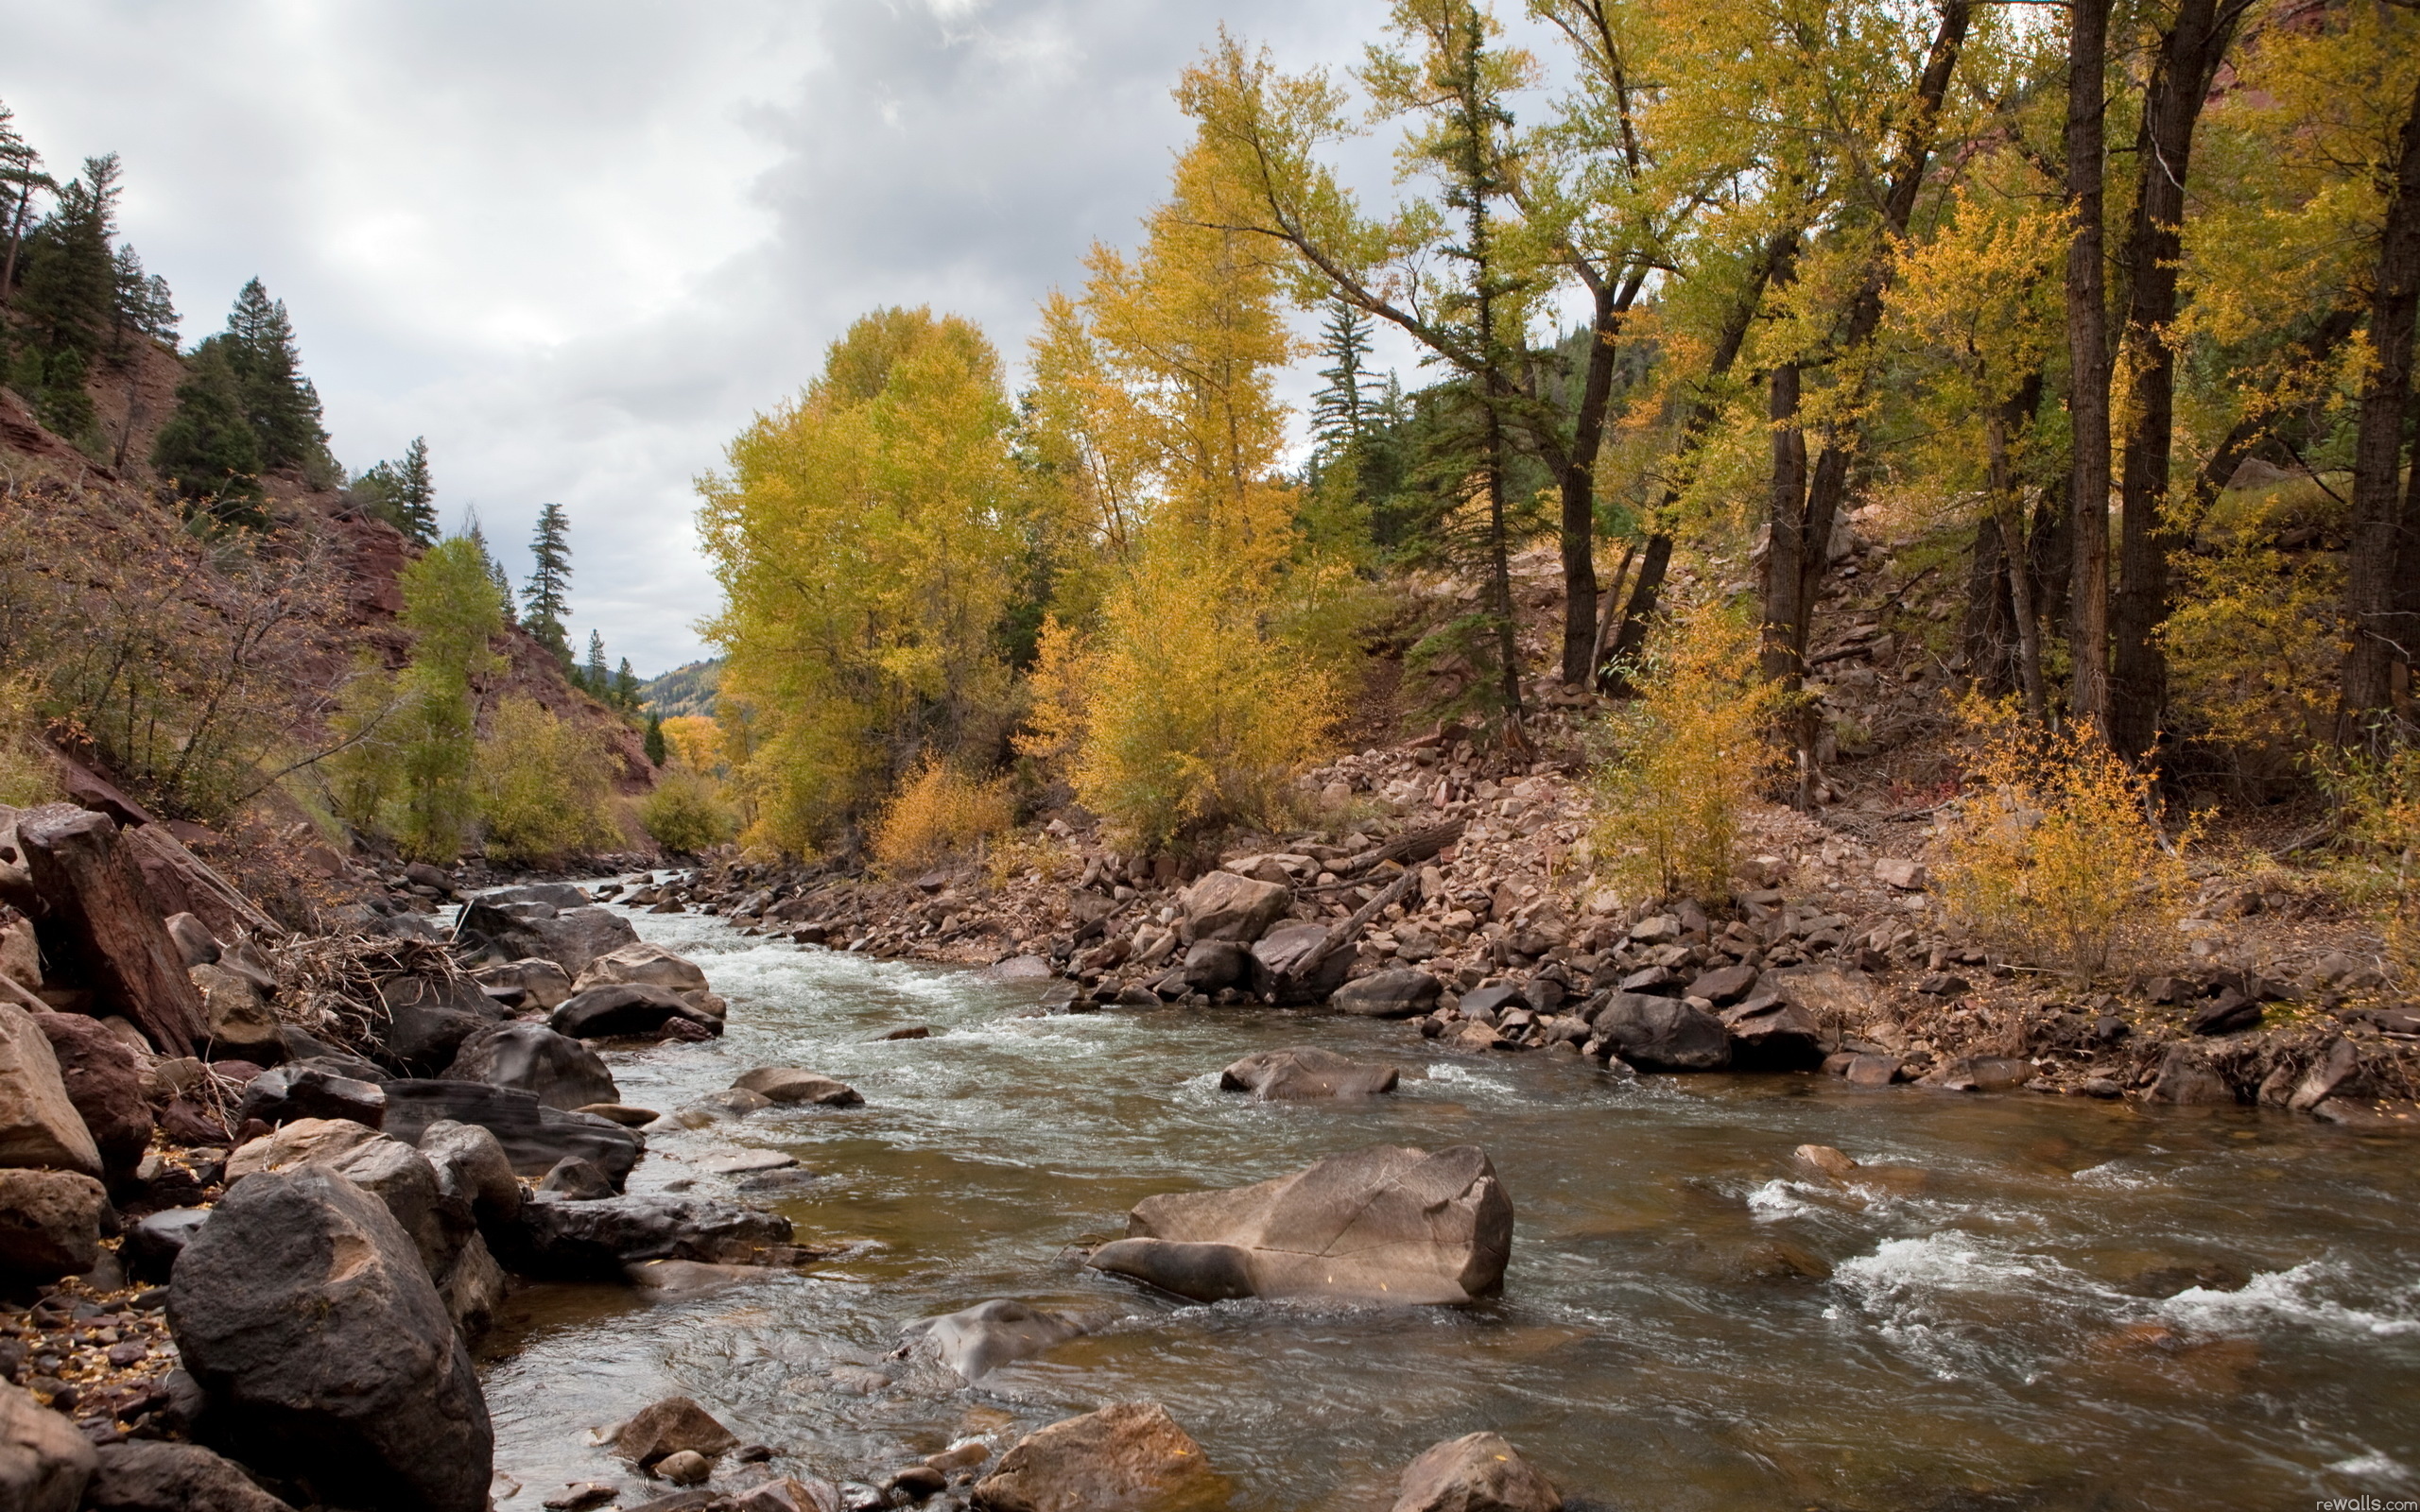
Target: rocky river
2015 1301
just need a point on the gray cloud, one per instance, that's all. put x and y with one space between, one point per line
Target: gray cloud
578 245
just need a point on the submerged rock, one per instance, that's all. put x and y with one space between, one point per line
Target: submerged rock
977 1340
1130 1457
673 1426
595 1240
1382 1224
1305 1075
791 1084
1476 1473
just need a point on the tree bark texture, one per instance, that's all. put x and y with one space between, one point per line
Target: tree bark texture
2088 356
2385 557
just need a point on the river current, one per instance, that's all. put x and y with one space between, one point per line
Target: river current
2042 1303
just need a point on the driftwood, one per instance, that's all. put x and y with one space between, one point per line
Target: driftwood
96 905
1346 933
1411 848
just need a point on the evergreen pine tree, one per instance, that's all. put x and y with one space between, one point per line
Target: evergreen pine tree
545 598
1340 412
626 687
594 677
20 179
416 498
478 538
140 305
68 300
207 447
656 750
279 401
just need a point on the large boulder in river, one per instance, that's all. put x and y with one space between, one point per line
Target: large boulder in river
530 984
556 895
322 1348
570 938
1130 1457
974 1341
1662 1034
44 1463
1382 1224
594 1239
625 1010
559 1070
1305 1075
386 1167
1225 906
1476 1473
533 1136
102 1075
791 1084
651 965
146 1476
472 1168
50 1225
1288 966
429 1016
1398 994
39 1125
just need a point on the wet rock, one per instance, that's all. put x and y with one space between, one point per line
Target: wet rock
102 1075
576 1180
1476 1473
153 1243
576 1241
304 1311
673 1426
1385 1224
1398 994
2336 1065
430 1017
386 1168
1979 1074
714 1107
1224 906
532 982
649 965
1872 1070
1305 1075
1824 1160
558 1070
685 1468
627 1011
789 1495
39 1125
917 1483
300 1091
1131 1457
751 1162
533 1134
472 1168
571 938
977 1340
1211 964
1662 1034
2187 1075
44 1463
1019 969
1283 968
554 895
1771 1034
50 1223
2369 1115
625 1114
791 1084
146 1476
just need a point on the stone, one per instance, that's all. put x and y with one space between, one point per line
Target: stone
648 965
559 1070
556 895
685 1468
577 1179
154 1242
571 938
1662 1034
1211 964
628 1009
39 1125
1224 906
751 1162
1383 1225
714 1108
100 915
789 1083
50 1223
1979 1074
1305 1075
536 984
1943 985
1908 876
472 1168
322 1347
1770 1034
1397 994
592 1241
1872 1070
194 940
673 1426
1019 969
2187 1077
789 1495
1656 929
386 1167
2334 1066
2230 1012
20 950
1824 1159
44 1463
301 1090
472 1288
237 1019
533 1134
1130 1457
977 1340
1724 986
430 1017
1287 967
183 882
147 1475
102 1075
1476 1473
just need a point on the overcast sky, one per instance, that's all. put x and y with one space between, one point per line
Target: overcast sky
576 246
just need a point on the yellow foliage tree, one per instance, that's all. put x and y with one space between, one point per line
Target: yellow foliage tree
694 742
545 787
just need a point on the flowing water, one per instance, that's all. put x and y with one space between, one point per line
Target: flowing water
2048 1303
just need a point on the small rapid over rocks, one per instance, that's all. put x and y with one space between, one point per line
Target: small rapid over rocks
1957 1300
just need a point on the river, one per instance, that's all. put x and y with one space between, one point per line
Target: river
2058 1304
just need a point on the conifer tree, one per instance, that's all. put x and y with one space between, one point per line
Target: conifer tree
281 404
20 179
1338 411
655 748
416 496
594 677
478 538
626 686
140 303
545 598
207 448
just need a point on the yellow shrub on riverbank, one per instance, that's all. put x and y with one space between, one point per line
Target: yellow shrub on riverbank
543 787
685 811
2377 869
937 814
2056 857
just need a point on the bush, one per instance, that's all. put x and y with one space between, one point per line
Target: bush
26 776
543 787
2055 856
938 814
1689 754
686 813
2378 808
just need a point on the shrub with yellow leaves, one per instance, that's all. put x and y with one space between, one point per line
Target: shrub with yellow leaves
2379 813
26 777
1689 753
545 786
937 814
2055 856
685 811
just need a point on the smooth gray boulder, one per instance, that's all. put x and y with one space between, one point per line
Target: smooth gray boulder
148 1475
429 1018
554 895
322 1347
1662 1034
571 938
1397 994
558 1070
472 1167
792 1084
974 1341
1223 905
1476 1473
44 1463
1284 968
533 1136
1382 1224
625 1010
1305 1075
592 1241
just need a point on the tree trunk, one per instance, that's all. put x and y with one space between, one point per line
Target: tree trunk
1989 630
1609 603
2088 356
2384 551
1576 474
2189 56
1785 542
16 238
2011 517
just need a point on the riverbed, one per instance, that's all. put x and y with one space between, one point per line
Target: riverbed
2039 1302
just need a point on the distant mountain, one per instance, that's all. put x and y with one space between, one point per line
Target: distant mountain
688 690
